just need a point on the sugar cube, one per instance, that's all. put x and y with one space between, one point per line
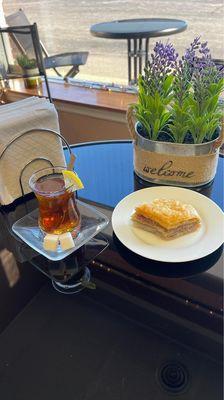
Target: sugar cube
66 241
50 242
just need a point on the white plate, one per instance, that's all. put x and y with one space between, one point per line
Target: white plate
185 248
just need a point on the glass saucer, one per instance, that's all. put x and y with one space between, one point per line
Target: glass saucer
28 230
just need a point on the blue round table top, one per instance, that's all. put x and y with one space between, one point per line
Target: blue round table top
138 28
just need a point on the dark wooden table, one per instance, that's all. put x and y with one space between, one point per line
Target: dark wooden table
148 330
137 32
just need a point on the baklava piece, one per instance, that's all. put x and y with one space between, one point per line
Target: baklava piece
167 218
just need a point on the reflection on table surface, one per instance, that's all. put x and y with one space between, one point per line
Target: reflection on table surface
107 172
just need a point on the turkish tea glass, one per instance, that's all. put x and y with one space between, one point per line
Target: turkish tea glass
58 211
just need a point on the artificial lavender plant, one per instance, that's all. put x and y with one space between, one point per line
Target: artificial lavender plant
179 97
155 90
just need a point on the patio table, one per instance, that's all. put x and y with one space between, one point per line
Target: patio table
137 32
148 330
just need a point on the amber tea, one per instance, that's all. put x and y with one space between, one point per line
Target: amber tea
58 212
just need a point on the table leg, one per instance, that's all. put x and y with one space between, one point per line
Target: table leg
135 55
136 52
140 56
146 50
129 61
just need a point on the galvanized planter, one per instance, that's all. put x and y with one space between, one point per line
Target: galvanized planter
32 78
186 165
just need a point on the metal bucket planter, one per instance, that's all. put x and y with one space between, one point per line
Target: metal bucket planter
32 78
186 165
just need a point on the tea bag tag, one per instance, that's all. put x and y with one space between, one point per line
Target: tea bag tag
71 163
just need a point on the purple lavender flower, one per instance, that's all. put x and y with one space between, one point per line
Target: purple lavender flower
162 62
190 53
196 69
199 60
181 83
202 70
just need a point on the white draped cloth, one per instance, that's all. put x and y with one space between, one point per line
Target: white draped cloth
15 119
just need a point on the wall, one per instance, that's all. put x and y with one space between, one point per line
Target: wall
81 124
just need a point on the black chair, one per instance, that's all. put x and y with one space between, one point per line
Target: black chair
73 59
9 52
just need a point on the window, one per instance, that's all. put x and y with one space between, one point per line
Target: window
64 25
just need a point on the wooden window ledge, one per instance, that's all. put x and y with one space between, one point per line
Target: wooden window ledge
68 93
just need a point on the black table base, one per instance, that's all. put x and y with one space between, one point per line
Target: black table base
138 31
137 58
75 284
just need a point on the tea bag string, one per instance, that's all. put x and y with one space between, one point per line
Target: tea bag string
70 165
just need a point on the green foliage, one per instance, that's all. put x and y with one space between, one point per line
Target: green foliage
179 125
151 111
205 112
25 62
166 113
